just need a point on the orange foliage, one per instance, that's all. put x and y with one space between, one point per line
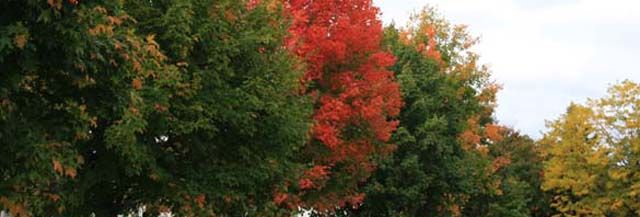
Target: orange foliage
494 132
230 16
15 209
470 139
136 84
431 50
71 172
500 162
57 166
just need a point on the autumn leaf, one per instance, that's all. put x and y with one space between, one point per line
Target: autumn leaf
93 122
279 198
136 83
493 132
20 40
200 200
57 166
57 4
70 172
160 108
305 184
15 208
230 16
53 197
154 177
251 4
499 163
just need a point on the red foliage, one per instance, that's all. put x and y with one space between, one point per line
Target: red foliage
314 178
279 198
356 200
251 4
339 40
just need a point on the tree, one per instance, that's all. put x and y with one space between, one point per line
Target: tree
441 155
520 178
592 156
76 82
355 96
191 106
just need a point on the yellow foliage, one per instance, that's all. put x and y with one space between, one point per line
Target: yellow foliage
592 153
20 40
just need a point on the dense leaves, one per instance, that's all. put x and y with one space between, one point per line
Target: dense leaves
355 97
78 89
184 105
283 108
592 152
431 172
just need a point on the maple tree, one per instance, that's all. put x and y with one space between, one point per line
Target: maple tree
67 97
446 94
356 98
107 106
236 124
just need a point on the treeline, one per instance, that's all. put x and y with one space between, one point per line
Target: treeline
281 107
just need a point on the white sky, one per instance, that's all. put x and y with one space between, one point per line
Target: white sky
545 53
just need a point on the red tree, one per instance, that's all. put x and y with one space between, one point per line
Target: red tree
356 98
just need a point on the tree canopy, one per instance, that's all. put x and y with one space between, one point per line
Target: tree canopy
592 155
284 108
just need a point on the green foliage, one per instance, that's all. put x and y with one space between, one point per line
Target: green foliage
69 76
430 172
96 119
451 160
519 180
197 106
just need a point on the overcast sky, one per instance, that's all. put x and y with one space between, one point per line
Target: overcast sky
545 53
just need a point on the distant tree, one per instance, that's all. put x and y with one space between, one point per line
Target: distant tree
592 154
520 179
449 100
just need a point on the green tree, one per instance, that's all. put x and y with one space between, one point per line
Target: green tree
190 105
448 100
77 88
520 179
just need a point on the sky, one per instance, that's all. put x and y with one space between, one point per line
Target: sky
545 53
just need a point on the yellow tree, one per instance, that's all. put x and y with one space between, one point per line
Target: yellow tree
592 156
619 123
